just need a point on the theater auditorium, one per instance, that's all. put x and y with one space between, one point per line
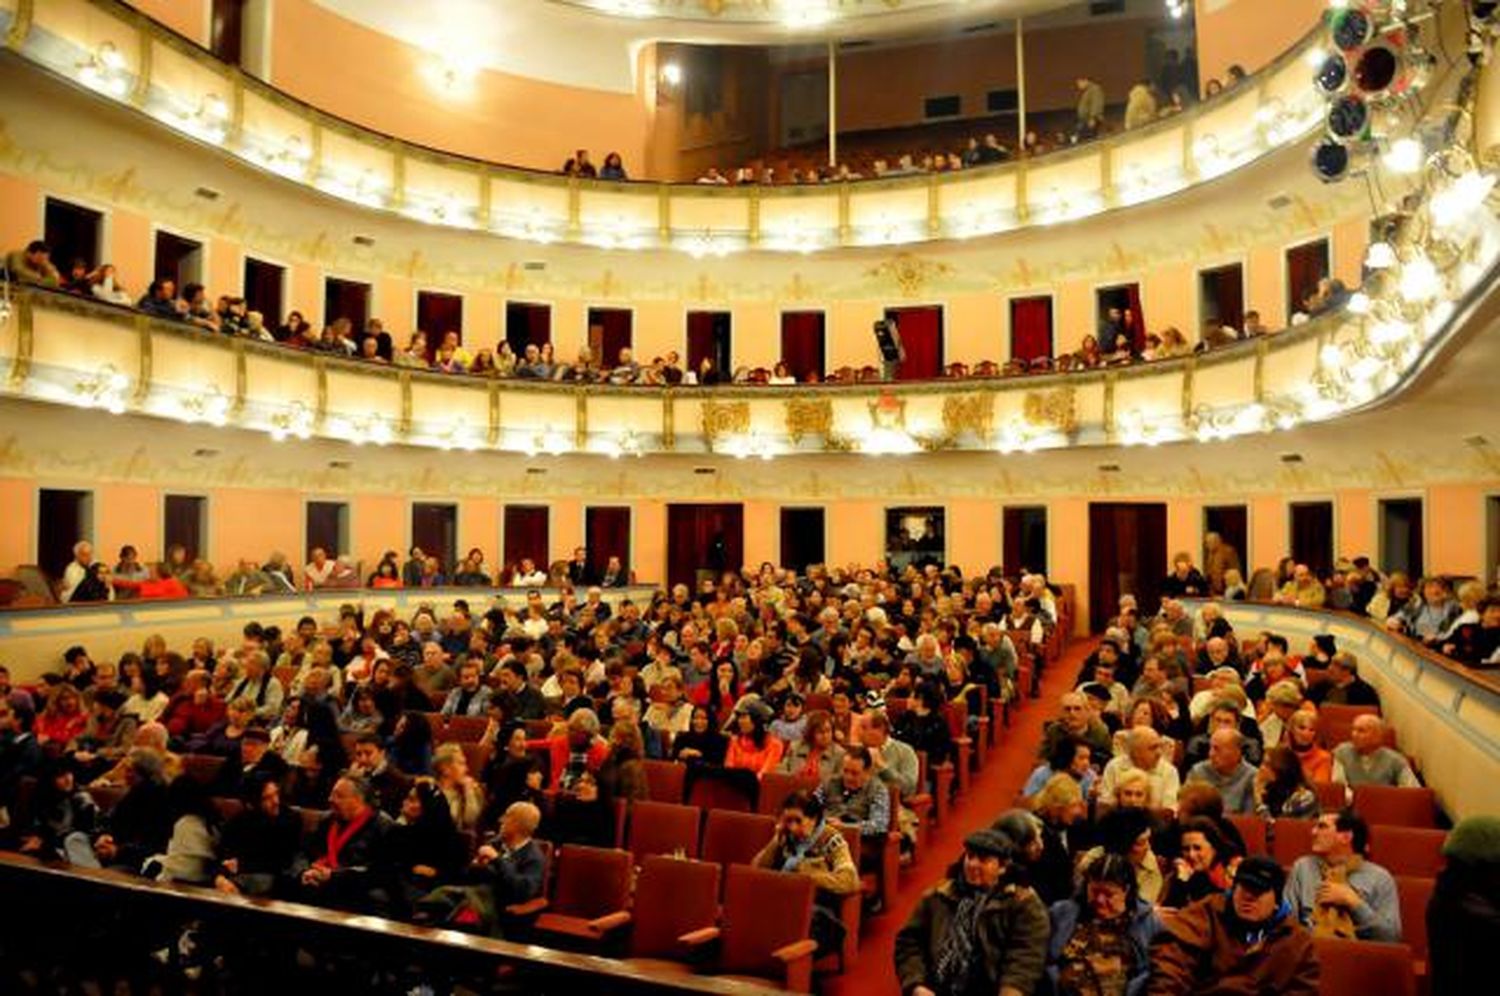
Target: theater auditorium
859 497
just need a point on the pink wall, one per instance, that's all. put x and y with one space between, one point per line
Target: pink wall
1250 33
186 17
377 81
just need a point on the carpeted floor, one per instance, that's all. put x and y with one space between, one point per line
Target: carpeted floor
992 791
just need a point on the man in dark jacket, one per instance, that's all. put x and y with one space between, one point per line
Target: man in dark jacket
139 825
346 862
975 933
1242 942
255 761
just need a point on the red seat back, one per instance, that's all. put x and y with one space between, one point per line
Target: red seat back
714 789
663 828
732 838
591 881
1290 839
1253 829
1332 796
1335 721
465 729
1407 850
775 786
202 768
664 780
478 755
764 911
672 897
1413 894
1365 967
1391 806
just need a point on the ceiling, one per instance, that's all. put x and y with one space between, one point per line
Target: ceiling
594 43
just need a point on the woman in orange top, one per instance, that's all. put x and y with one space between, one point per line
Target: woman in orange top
753 748
1318 765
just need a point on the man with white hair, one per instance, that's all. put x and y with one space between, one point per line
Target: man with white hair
77 570
1145 752
928 656
1226 770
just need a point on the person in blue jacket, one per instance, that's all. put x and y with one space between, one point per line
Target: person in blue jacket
1101 938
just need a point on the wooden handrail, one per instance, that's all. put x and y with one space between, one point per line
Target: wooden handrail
19 873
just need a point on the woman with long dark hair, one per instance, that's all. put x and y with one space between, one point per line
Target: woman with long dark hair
1281 787
703 743
426 848
1201 869
1101 938
753 748
720 693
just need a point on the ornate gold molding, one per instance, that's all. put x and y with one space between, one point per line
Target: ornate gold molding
403 424
910 273
724 418
20 367
145 358
1057 409
581 420
492 436
669 420
20 25
971 413
808 418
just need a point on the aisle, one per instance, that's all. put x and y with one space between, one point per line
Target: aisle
990 794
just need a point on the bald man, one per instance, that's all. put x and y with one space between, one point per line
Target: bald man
1367 761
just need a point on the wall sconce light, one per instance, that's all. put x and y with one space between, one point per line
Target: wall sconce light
671 75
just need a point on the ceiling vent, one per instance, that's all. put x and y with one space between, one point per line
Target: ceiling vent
1109 468
1279 202
207 193
704 470
1477 441
1290 457
975 29
534 265
339 464
205 453
536 470
364 240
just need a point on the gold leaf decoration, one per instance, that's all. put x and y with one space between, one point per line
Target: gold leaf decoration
888 411
724 418
910 273
972 413
1055 409
812 417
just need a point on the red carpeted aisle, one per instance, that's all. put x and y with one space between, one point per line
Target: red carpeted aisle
992 792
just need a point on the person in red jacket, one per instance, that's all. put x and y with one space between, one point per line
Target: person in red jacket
194 710
162 585
579 749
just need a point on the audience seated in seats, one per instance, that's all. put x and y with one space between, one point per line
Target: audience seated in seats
979 930
1463 918
1125 832
703 743
346 861
1144 753
260 844
463 792
1336 891
138 826
1101 938
752 747
1226 770
1071 757
855 797
1202 869
1228 713
1367 761
1344 685
1429 618
807 843
59 807
1061 828
1282 790
1074 720
1239 939
574 748
425 848
896 763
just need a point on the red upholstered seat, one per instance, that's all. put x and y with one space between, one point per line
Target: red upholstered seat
775 786
1391 806
591 893
202 768
1290 839
1335 721
664 780
1407 850
732 838
663 828
1332 796
478 755
1366 968
673 897
761 947
1413 894
465 729
1253 829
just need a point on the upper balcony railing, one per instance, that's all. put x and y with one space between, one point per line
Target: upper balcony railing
124 56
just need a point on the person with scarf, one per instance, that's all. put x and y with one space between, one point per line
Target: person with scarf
807 844
346 860
1237 940
1101 938
1201 870
1336 891
978 932
426 849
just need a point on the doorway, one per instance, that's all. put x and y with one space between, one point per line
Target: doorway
328 528
185 524
708 338
1221 298
73 232
704 541
1231 523
525 537
1306 266
527 325
1401 535
1031 328
803 348
1024 540
1312 535
346 299
922 337
437 315
1127 555
179 259
606 533
609 332
434 528
803 538
64 517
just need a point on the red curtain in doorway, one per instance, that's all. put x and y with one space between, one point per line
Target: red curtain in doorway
1138 318
802 346
613 334
703 537
526 536
1031 328
606 533
922 337
1305 266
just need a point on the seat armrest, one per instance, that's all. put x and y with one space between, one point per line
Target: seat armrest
609 922
529 908
795 950
701 936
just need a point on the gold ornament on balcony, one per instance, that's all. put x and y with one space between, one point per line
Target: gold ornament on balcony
1053 409
724 418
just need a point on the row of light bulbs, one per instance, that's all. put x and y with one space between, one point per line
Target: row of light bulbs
208 119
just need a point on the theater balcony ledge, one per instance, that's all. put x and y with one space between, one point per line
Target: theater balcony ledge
124 57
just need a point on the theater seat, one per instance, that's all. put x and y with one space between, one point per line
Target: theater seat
465 729
1253 829
664 780
1332 796
1384 805
1407 850
756 947
1290 839
775 786
590 897
663 828
1335 721
732 838
1413 894
673 897
1365 968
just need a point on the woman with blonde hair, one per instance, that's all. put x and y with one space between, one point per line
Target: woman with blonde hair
1060 806
450 768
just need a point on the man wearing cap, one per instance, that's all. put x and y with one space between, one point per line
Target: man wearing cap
1336 892
977 931
255 760
1245 941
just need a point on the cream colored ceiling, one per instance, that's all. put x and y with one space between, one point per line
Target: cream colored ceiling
576 42
154 173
